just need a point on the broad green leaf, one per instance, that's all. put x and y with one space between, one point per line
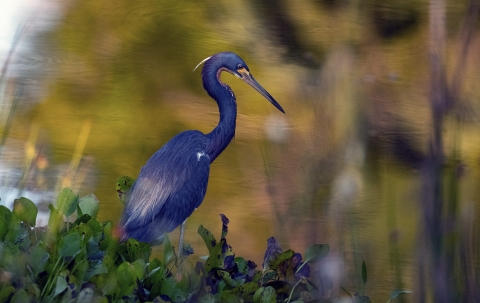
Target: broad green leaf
5 217
97 269
5 292
168 250
67 202
137 250
69 245
265 295
18 238
316 252
55 221
122 186
20 297
61 284
138 267
126 276
82 219
279 259
84 231
96 228
25 210
246 290
207 237
241 264
81 268
110 283
207 298
215 259
108 230
169 288
364 273
95 225
38 258
85 295
89 205
227 278
228 297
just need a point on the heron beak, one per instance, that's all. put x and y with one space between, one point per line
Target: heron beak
247 77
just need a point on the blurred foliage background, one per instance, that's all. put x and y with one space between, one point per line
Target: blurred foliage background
377 155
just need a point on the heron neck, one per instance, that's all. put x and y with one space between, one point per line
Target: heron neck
221 135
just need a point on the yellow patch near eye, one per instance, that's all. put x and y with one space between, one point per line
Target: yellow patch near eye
243 71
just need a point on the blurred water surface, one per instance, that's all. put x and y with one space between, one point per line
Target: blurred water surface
95 93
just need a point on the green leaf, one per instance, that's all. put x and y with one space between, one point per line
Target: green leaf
316 252
228 297
97 269
122 186
108 231
246 290
207 298
265 295
69 245
5 217
96 228
110 283
364 272
215 258
18 238
20 297
226 277
241 264
61 284
169 288
25 210
5 292
85 295
67 202
138 267
84 231
38 258
81 267
207 237
279 259
55 221
168 250
95 225
89 205
126 276
137 250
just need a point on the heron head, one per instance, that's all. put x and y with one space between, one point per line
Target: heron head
232 63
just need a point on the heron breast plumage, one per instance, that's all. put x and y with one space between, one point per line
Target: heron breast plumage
174 177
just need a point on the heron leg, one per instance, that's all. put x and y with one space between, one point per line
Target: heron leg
180 242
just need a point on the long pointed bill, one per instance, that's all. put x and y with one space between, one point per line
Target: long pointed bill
247 77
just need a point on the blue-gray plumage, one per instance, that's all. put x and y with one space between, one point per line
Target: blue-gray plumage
173 182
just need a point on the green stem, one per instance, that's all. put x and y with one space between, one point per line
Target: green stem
49 283
293 288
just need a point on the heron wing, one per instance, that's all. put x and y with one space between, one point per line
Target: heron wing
170 186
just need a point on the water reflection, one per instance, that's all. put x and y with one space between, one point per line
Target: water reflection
343 167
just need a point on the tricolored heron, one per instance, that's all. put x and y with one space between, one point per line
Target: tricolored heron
173 182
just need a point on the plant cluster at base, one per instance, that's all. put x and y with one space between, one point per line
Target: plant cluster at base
82 261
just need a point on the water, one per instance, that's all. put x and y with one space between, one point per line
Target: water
107 84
